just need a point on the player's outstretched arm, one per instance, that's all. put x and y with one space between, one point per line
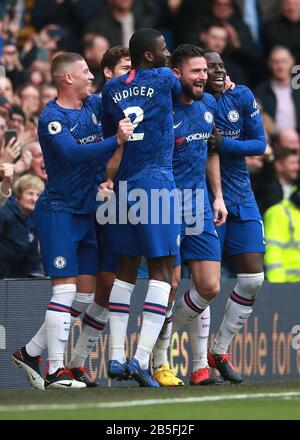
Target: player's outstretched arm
255 140
214 178
64 144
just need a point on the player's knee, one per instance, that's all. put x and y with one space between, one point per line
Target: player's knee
210 289
250 283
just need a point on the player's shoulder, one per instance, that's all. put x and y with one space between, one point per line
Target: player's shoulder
114 82
240 92
51 113
209 100
94 101
52 119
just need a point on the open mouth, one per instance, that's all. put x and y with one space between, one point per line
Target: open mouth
219 80
199 87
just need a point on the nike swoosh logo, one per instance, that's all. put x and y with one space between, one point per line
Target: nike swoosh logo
204 318
73 128
33 378
66 385
177 125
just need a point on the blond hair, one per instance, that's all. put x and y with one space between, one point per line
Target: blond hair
27 181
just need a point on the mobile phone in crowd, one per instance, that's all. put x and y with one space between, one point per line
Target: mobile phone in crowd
9 134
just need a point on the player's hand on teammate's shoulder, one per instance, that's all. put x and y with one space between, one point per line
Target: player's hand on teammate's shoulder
229 85
125 129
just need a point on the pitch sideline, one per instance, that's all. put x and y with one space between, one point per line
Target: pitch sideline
146 402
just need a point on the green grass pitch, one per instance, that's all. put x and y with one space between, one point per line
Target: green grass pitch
247 401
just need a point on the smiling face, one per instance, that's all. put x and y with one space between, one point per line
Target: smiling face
37 164
193 75
28 200
81 79
216 73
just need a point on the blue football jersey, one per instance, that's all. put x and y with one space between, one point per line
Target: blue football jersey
145 96
238 119
193 123
70 141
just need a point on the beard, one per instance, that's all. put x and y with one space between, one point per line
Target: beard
188 90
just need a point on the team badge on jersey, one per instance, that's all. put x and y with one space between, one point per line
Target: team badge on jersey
208 117
60 262
94 118
54 127
233 116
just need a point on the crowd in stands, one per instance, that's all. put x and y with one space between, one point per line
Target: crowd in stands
258 40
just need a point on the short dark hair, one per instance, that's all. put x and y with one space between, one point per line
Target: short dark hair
17 110
140 42
61 59
283 152
212 23
185 51
112 56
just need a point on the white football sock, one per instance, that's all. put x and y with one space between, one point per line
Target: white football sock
188 307
119 306
57 322
94 321
80 304
38 343
160 350
154 312
237 311
199 332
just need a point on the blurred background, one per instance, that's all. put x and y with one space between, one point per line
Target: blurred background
259 42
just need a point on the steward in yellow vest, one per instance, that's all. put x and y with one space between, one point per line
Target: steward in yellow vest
282 230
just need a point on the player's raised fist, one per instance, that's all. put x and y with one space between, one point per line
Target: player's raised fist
125 130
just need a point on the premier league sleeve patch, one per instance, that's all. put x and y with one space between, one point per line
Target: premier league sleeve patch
54 127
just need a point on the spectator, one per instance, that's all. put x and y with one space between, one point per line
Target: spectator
48 91
17 119
282 229
13 66
6 173
287 170
288 139
94 48
285 30
279 99
122 20
214 36
37 165
18 246
8 92
30 97
254 12
4 107
277 179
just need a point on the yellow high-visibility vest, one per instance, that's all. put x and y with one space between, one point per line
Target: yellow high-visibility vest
282 230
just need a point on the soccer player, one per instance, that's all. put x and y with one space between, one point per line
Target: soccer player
241 134
69 136
145 94
194 113
115 62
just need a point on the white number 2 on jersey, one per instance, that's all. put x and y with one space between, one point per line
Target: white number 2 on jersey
139 116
